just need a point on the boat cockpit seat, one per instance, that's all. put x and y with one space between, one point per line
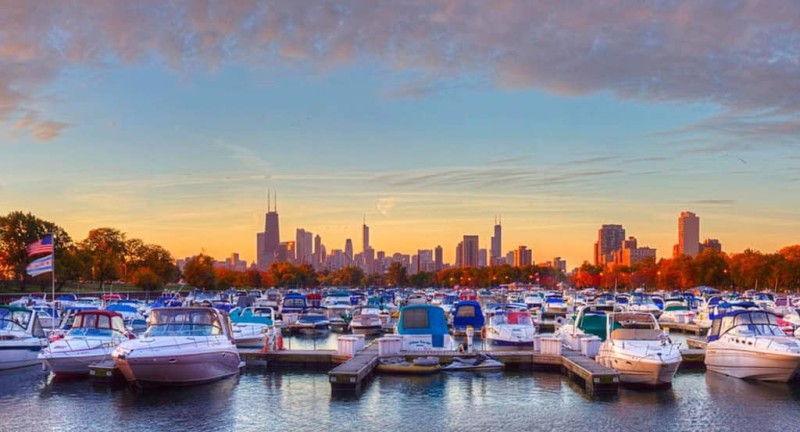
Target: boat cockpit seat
636 334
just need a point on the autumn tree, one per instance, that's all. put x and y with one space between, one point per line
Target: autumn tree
199 272
106 248
396 275
17 231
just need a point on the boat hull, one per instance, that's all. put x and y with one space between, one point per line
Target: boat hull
410 369
73 365
367 330
508 343
652 370
19 355
179 369
755 365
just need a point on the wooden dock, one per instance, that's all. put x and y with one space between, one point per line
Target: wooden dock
595 377
305 359
352 374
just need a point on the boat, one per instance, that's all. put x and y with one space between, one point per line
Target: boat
182 346
590 320
748 343
554 304
367 321
481 362
92 338
416 298
399 365
643 303
252 326
534 300
48 315
638 349
133 319
467 313
424 327
510 327
293 305
271 298
676 311
21 337
312 323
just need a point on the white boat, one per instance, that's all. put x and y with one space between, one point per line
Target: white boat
252 326
423 327
92 338
313 324
367 321
21 337
510 327
48 315
182 346
750 344
643 303
638 349
676 311
481 362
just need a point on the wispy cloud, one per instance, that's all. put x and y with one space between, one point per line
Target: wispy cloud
741 56
714 202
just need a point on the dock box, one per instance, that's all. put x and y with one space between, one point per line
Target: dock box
389 346
347 345
551 346
590 345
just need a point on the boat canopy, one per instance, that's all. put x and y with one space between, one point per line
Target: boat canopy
745 323
423 319
193 321
97 323
468 313
253 315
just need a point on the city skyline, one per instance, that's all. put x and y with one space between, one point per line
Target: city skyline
426 118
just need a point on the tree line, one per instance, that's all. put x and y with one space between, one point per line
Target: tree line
105 255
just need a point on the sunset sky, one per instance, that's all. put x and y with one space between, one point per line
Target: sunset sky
170 121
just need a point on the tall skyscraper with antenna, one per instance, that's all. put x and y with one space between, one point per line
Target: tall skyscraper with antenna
269 241
365 236
497 243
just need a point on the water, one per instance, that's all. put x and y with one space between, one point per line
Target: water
301 400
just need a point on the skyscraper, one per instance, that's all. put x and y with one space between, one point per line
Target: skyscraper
319 255
609 240
497 243
523 257
365 236
348 251
304 241
688 234
469 251
438 259
271 237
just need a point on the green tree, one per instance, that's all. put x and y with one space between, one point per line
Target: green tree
199 272
17 231
106 248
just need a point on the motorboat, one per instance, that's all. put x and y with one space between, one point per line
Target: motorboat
271 298
780 307
182 346
481 362
416 298
312 323
133 319
253 326
21 337
534 300
638 349
337 303
589 321
367 321
643 303
676 311
424 327
748 343
418 366
510 327
48 315
92 338
554 304
468 313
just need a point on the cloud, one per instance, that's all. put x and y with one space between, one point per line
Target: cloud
742 56
47 130
718 202
385 205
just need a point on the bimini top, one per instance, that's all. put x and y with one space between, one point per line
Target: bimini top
97 323
422 319
468 313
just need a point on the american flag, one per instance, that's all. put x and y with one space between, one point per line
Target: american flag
45 245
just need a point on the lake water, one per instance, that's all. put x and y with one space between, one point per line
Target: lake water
302 400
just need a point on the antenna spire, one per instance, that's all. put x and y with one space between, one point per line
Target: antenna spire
269 197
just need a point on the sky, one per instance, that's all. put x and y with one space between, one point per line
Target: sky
171 120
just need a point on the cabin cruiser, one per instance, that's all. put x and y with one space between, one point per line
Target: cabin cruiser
48 315
510 327
367 321
554 305
182 346
133 319
416 298
21 337
749 344
424 327
534 300
676 311
467 313
313 323
92 337
638 349
271 298
590 320
252 326
780 307
643 303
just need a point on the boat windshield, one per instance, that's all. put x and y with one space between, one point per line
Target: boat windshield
14 318
756 323
183 322
642 301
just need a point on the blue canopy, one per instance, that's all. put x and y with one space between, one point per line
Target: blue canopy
423 319
468 313
121 308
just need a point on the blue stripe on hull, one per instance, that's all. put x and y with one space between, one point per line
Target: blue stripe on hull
496 342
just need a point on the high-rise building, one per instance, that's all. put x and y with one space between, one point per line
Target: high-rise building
365 236
304 241
523 257
319 255
470 251
631 253
497 243
560 264
439 261
271 237
348 251
483 257
609 240
460 254
710 243
688 234
425 261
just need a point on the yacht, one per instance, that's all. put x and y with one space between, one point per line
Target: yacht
92 337
182 346
21 337
643 303
424 327
676 311
510 327
313 323
252 326
367 321
638 349
749 344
